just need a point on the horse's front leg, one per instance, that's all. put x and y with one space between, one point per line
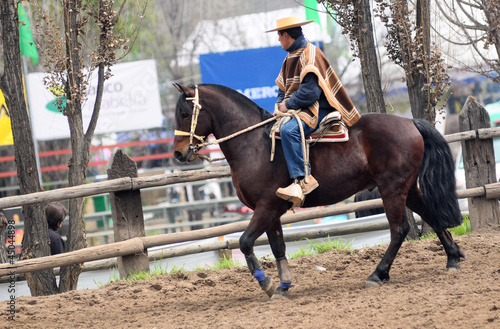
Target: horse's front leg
277 242
255 228
265 282
263 220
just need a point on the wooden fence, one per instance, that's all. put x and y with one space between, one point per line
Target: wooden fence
137 246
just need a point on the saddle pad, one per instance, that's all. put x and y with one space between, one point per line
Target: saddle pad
337 133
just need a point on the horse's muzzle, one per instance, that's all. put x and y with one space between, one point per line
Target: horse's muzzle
179 157
189 156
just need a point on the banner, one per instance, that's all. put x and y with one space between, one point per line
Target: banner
5 127
312 11
27 44
252 72
131 101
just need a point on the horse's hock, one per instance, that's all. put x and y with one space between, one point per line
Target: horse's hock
479 164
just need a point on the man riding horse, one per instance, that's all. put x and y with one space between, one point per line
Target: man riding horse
308 83
408 160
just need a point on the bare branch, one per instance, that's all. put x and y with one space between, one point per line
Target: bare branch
466 13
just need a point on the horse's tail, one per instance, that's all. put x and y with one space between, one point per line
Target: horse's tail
437 179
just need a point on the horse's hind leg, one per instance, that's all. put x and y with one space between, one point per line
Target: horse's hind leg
277 242
416 203
399 227
453 251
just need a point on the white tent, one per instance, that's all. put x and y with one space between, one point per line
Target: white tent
245 32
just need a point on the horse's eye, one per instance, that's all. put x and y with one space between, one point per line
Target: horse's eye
184 115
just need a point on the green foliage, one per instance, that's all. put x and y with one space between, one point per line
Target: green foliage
156 271
301 252
220 264
462 229
226 263
319 248
179 272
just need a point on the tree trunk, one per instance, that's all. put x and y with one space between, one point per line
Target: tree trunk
368 56
77 238
35 238
3 237
416 79
421 105
371 78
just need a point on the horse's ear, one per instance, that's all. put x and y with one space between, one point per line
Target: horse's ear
179 87
184 90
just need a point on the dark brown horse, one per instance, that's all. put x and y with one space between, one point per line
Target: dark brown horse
383 150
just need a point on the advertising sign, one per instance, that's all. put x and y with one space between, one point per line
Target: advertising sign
130 101
252 72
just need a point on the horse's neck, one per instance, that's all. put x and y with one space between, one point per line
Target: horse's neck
242 145
232 118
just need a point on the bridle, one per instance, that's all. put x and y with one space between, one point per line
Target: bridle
194 121
195 148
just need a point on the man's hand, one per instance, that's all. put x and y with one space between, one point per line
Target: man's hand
281 107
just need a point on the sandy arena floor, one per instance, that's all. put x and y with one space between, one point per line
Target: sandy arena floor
421 294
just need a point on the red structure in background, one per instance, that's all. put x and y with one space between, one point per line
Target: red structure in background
98 148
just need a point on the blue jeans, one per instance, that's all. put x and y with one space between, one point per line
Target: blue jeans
292 144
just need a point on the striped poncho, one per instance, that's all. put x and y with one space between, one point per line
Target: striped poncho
310 59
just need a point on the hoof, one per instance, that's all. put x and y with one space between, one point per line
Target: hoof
278 296
373 284
267 285
280 293
453 268
376 280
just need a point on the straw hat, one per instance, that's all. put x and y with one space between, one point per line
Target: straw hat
288 22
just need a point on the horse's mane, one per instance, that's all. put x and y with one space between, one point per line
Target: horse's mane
246 102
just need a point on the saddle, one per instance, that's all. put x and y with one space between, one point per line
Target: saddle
331 129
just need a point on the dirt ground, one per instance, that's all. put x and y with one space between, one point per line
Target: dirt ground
421 294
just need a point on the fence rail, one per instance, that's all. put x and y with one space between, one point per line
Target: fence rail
138 245
113 185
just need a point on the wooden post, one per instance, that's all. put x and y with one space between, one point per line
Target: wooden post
479 164
126 209
225 253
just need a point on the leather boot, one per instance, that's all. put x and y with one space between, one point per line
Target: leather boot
310 186
292 193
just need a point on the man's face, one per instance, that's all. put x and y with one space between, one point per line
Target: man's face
285 40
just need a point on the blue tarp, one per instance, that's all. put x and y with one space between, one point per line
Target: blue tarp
252 72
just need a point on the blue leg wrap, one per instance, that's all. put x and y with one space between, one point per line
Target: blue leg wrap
285 285
259 275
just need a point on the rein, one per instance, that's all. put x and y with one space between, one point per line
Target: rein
196 148
196 111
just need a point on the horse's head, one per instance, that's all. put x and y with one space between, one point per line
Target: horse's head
192 124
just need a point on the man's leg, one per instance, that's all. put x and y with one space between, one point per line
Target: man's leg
291 142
